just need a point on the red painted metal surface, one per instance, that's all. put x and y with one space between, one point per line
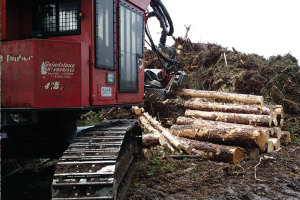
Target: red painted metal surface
143 4
3 19
18 19
23 84
44 74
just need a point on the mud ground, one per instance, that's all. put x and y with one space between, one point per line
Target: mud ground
162 177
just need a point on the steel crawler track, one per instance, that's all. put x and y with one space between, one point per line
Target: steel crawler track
95 165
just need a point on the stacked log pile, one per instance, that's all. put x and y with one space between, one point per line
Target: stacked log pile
220 126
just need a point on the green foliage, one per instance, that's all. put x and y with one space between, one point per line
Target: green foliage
89 120
154 166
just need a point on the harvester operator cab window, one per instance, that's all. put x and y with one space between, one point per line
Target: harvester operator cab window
58 17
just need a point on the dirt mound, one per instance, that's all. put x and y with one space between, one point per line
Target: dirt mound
213 67
162 177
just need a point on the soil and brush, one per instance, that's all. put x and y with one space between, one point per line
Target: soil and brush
276 78
213 67
163 177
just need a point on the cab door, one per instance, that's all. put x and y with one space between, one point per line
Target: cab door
131 47
119 35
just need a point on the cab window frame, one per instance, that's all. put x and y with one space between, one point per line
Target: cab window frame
60 27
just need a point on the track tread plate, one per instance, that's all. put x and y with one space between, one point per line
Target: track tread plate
87 168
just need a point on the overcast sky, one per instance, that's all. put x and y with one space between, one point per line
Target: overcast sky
264 27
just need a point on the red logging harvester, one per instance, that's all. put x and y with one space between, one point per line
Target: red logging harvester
60 58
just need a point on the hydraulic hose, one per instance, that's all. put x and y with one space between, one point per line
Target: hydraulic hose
163 16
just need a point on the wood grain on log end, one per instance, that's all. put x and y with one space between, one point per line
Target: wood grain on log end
285 137
276 143
260 138
238 155
277 132
270 147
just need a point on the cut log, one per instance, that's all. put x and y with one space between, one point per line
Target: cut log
188 149
285 137
163 131
152 135
230 108
276 143
201 122
270 147
147 126
150 139
136 110
218 152
274 119
281 123
224 96
147 153
278 109
277 132
165 144
229 135
250 119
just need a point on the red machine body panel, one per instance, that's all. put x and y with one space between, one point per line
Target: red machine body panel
141 4
3 19
26 85
44 74
17 74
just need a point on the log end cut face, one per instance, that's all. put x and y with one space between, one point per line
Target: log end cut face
260 139
238 155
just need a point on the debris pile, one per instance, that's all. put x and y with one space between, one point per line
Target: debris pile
215 68
218 126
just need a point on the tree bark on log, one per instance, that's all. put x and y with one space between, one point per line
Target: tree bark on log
163 131
217 152
188 149
278 109
150 139
165 144
147 126
230 108
152 136
229 135
224 96
250 119
201 122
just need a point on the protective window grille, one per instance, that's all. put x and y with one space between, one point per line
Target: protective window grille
47 15
59 17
